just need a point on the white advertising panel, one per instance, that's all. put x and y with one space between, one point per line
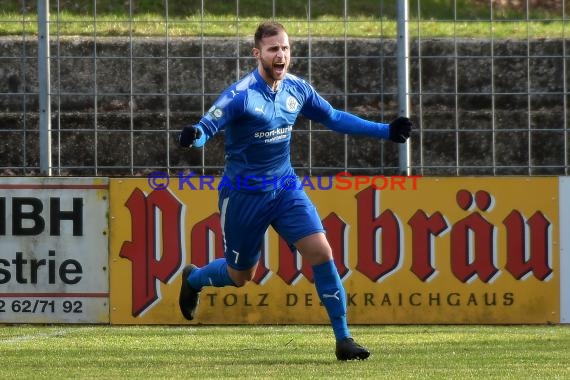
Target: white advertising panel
564 249
54 250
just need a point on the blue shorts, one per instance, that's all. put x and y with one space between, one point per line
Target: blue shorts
245 218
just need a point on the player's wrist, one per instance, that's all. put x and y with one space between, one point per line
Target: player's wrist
200 141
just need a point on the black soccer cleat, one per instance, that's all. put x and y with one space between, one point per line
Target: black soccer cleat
188 299
348 349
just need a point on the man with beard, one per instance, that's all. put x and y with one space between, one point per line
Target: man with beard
260 187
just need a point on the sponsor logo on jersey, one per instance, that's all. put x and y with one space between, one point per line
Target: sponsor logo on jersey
274 134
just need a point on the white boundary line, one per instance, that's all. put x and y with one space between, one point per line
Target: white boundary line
39 335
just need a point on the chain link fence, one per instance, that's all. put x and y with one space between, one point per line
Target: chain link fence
124 80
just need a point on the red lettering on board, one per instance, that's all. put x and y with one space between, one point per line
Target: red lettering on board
155 249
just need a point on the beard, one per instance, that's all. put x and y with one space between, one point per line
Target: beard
272 73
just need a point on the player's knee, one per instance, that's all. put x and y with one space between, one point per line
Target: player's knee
315 248
241 278
241 282
318 256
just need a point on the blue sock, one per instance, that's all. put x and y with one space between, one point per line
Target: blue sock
332 295
212 274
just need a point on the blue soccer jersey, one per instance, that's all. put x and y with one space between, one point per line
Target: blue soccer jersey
258 122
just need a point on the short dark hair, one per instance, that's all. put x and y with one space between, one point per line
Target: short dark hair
267 29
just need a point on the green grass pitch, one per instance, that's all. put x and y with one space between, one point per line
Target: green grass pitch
286 352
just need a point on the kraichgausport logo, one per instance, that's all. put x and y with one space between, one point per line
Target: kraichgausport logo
340 181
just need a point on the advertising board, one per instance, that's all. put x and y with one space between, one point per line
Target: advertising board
479 250
54 250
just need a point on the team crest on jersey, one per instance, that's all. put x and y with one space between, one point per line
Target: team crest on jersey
292 104
216 112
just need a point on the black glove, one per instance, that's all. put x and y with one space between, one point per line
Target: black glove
400 129
189 135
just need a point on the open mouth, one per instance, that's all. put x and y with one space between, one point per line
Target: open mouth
279 67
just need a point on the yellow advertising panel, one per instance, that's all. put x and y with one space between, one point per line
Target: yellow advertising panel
409 250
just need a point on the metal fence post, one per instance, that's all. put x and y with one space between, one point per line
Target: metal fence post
44 87
403 58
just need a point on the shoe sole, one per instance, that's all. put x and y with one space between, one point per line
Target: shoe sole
361 356
350 350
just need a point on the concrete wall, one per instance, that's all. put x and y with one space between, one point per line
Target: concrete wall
497 84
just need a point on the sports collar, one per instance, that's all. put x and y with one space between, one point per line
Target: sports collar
264 84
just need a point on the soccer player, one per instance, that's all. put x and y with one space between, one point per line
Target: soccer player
257 114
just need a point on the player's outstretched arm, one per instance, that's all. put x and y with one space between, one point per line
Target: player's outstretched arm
318 109
398 130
